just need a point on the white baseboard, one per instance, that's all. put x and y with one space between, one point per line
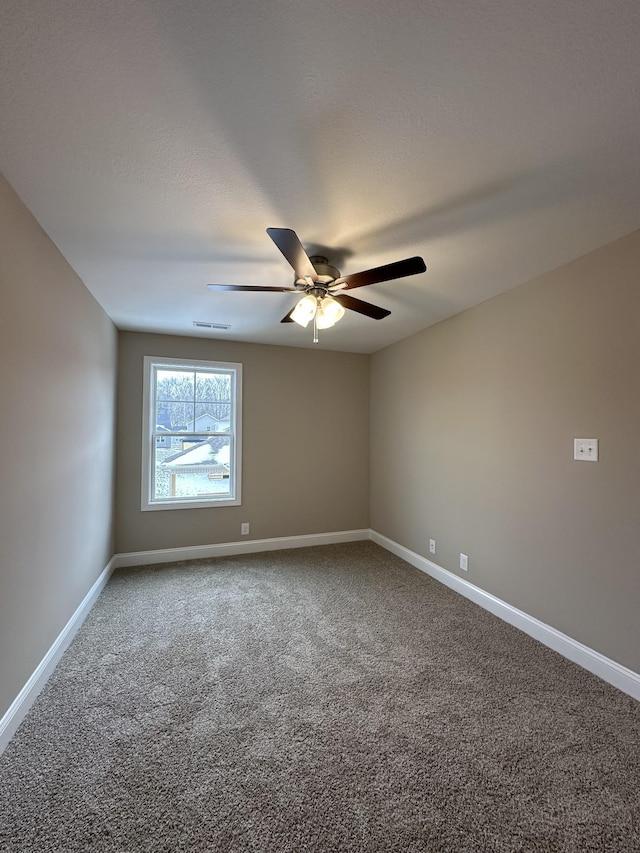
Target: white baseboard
614 673
227 549
18 709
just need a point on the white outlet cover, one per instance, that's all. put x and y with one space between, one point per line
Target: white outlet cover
432 546
585 449
464 562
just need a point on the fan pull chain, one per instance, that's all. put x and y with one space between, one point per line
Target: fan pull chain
315 328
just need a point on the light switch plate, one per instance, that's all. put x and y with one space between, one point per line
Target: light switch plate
585 449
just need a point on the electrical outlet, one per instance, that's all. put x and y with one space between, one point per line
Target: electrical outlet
464 562
432 546
244 528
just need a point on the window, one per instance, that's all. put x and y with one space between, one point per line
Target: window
191 433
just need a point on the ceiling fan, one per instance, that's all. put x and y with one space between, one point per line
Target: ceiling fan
322 287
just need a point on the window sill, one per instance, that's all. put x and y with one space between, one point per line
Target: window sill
189 504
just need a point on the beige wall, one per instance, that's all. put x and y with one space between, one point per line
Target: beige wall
472 430
57 402
305 445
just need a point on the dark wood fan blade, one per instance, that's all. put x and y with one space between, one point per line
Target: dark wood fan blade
398 269
361 307
291 247
254 287
287 317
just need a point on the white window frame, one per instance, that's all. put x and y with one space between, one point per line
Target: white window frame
151 364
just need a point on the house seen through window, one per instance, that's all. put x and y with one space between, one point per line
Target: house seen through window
192 431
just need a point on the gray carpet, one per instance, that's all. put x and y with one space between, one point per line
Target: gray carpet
323 699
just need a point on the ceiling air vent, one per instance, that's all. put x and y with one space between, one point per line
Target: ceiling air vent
200 324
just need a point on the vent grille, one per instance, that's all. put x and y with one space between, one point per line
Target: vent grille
200 324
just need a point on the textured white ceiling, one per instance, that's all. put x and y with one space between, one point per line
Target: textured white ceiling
156 140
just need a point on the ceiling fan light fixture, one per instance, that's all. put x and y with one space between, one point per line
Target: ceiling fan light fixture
305 311
329 312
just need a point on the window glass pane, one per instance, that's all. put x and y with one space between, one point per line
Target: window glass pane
211 418
175 384
201 468
175 416
213 387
